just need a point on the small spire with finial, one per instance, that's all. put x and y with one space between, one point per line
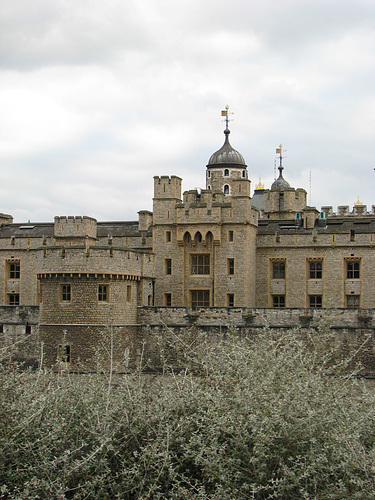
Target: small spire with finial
260 185
358 202
279 151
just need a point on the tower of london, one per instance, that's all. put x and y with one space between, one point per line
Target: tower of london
223 253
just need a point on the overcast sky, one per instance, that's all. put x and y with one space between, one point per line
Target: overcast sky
97 97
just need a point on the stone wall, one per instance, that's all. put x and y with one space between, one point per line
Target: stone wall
352 330
131 343
19 334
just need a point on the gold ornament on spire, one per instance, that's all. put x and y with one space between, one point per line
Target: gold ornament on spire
358 202
259 186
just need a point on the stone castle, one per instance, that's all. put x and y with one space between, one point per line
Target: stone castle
215 257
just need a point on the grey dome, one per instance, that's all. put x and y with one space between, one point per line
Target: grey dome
226 155
280 183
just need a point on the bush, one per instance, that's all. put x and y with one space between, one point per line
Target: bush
262 418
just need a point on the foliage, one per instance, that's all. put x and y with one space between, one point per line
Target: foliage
268 417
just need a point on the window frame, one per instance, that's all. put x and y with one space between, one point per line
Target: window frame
230 266
200 298
314 272
278 269
14 299
167 299
230 300
353 304
103 292
14 269
200 262
353 269
65 292
168 266
278 301
315 301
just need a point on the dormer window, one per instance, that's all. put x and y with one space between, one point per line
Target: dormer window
226 172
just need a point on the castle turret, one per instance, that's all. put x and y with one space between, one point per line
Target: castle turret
283 201
225 165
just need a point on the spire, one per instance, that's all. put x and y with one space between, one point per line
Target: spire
279 151
226 155
280 183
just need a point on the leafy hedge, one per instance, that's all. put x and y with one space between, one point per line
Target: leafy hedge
271 417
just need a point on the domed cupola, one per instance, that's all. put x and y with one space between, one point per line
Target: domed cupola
225 165
226 155
280 182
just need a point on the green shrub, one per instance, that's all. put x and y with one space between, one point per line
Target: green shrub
270 417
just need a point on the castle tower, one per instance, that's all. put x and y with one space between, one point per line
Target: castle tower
283 201
205 244
225 165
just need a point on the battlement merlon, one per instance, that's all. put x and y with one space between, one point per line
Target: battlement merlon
5 219
75 227
167 187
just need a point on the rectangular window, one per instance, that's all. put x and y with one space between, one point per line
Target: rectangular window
315 301
103 293
230 299
14 299
352 269
316 270
278 300
230 236
200 298
352 235
200 264
65 293
168 236
28 329
230 266
14 270
168 266
64 353
352 301
1 328
278 270
168 299
129 294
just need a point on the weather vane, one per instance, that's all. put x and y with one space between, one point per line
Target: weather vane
226 113
279 151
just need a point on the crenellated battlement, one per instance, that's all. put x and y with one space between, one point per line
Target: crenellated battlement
167 187
359 210
75 227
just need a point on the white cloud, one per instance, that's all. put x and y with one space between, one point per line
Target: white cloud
102 96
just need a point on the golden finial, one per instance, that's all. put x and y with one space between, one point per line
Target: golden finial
260 185
358 202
